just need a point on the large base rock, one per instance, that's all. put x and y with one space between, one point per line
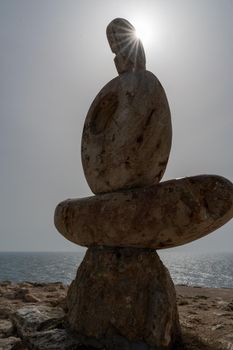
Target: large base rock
123 298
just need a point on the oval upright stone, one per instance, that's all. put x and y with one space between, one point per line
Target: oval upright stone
127 134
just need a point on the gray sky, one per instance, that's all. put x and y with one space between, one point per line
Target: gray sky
54 58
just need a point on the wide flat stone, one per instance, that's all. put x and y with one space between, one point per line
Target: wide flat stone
127 134
42 327
166 215
35 317
123 298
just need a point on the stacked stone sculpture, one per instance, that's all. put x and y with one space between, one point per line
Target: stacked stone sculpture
123 296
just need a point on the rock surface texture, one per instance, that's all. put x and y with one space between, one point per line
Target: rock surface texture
123 296
133 294
170 214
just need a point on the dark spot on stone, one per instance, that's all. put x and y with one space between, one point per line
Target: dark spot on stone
158 145
118 255
130 96
148 118
103 112
205 204
192 181
101 172
127 164
163 163
139 139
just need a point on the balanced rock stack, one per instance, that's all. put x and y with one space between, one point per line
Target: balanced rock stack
123 296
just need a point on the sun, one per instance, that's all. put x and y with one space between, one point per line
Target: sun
143 31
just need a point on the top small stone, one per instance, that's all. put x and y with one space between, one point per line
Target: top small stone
130 55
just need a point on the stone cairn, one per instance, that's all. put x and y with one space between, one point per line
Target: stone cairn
123 296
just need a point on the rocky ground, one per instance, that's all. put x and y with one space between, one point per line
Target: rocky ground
32 316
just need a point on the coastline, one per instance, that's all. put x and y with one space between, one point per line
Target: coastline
32 315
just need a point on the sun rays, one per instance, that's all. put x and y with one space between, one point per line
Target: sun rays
127 47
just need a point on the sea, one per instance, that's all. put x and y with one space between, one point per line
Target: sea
201 270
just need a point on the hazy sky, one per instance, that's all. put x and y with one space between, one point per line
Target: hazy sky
54 59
